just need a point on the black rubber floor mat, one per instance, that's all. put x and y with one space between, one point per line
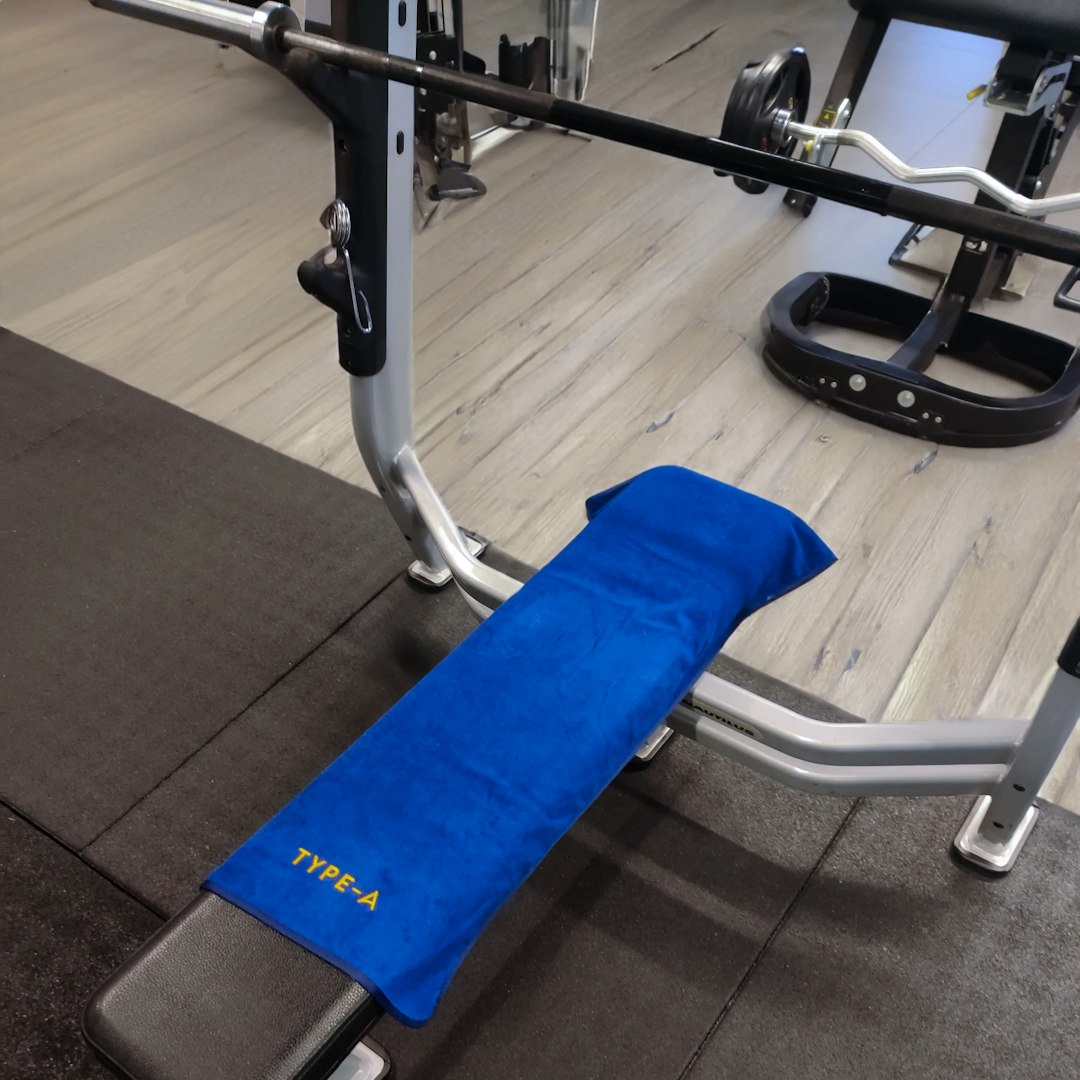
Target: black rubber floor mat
63 928
42 392
166 845
899 963
159 574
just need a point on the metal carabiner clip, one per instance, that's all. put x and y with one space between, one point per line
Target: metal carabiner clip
338 223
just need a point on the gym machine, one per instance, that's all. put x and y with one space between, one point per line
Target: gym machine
174 1012
445 146
1036 86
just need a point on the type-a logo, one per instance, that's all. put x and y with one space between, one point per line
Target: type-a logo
324 870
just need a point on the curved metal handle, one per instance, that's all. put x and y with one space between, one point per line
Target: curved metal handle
786 126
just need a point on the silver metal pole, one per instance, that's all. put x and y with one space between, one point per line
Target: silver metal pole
382 404
946 742
482 582
843 780
228 23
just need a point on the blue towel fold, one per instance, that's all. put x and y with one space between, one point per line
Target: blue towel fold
389 863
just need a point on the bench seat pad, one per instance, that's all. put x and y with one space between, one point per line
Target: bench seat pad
390 862
1039 24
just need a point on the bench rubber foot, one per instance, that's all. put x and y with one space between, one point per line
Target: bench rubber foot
652 745
366 1061
974 848
431 578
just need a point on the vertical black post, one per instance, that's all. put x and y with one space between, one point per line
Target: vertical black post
357 106
851 74
360 146
982 266
1069 660
1024 157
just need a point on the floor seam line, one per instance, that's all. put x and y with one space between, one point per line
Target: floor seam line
93 867
240 712
785 916
70 422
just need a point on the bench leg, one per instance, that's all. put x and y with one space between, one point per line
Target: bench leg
652 746
367 1061
433 577
1000 822
851 73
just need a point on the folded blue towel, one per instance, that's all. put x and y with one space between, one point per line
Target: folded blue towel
389 863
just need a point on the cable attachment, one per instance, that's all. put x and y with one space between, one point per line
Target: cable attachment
338 223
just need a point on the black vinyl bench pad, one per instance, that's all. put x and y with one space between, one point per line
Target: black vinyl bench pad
1046 24
216 994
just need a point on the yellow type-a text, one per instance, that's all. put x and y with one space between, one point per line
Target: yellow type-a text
324 870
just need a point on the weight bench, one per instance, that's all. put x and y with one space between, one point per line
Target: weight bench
1036 86
317 924
390 863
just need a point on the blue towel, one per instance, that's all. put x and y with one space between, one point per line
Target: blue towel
389 863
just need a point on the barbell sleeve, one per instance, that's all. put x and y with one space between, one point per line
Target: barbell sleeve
230 24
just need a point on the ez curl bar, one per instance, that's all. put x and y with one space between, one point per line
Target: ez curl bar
767 109
759 133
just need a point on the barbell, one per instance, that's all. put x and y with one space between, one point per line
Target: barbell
764 90
272 30
767 109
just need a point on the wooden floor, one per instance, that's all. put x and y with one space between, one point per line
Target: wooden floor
595 313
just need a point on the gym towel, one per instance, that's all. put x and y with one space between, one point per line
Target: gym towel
390 862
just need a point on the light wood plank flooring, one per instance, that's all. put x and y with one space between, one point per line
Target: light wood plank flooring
595 313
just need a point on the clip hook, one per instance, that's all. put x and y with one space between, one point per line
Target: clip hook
338 223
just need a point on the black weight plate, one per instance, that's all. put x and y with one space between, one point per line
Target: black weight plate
782 81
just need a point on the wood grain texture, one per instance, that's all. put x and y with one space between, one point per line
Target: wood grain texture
597 312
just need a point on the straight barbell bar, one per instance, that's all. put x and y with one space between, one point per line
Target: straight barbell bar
273 30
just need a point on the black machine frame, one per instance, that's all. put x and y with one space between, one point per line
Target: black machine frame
897 394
